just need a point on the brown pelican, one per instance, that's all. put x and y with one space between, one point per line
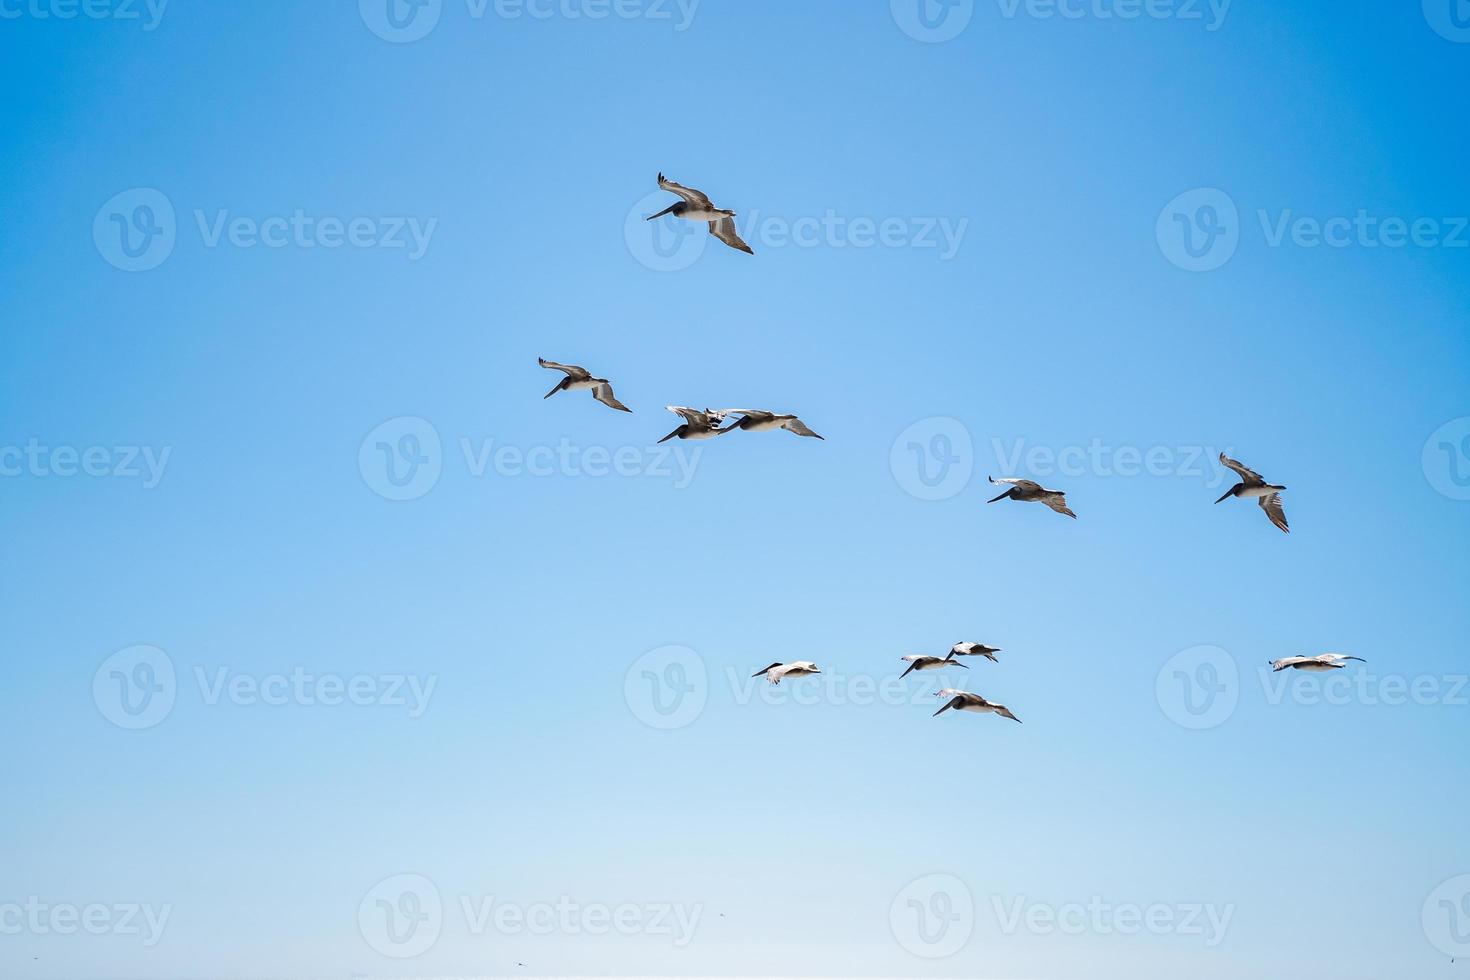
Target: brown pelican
697 424
755 420
974 650
1318 664
918 661
1252 484
580 379
778 670
965 701
1029 490
694 206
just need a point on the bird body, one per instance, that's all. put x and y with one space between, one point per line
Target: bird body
756 420
1030 491
778 670
580 379
1254 486
694 205
918 661
697 424
1319 664
965 701
974 650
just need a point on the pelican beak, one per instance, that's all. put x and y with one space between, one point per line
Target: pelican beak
1226 494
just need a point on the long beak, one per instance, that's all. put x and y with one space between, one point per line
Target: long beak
1001 497
663 212
670 436
1227 494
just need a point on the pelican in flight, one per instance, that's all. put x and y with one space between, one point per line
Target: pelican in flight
778 670
580 379
1029 490
695 206
965 701
974 650
918 661
1252 484
1319 664
697 424
755 420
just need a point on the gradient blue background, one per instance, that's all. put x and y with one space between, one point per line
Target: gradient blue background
529 778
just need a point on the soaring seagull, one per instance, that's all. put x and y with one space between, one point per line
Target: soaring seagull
697 424
974 650
755 420
1252 484
1318 664
580 379
1029 490
918 661
695 206
965 701
778 670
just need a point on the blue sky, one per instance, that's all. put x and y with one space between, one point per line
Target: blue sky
532 691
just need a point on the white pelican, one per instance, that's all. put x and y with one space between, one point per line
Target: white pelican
797 668
917 661
697 424
1029 490
695 206
965 701
755 420
580 379
1318 664
974 650
1252 484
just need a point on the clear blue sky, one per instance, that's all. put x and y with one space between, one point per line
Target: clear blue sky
524 147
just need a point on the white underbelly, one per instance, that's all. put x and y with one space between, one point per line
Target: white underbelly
693 215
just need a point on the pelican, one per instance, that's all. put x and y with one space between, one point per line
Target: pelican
1318 664
695 206
918 661
697 424
1029 490
580 379
755 420
965 701
974 650
778 670
1252 484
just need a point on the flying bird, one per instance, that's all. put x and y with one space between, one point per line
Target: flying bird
778 670
1252 484
974 650
1029 490
580 379
1318 664
917 661
965 701
697 424
755 420
695 206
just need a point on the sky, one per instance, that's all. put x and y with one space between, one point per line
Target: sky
334 650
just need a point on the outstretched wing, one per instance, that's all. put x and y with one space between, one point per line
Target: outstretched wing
1272 506
1246 474
800 428
572 371
689 194
1339 657
724 230
604 394
691 415
1286 662
1025 486
1004 712
752 413
1058 502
